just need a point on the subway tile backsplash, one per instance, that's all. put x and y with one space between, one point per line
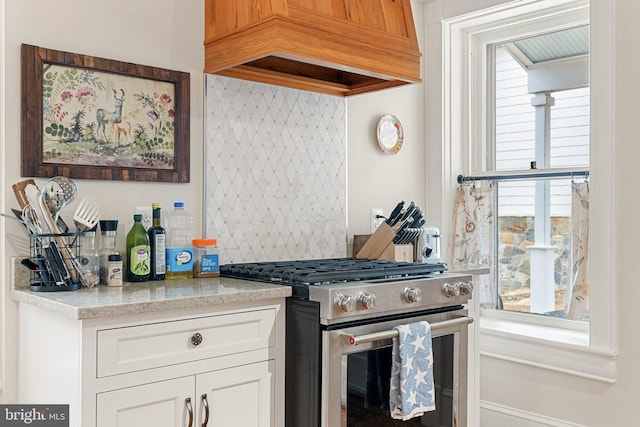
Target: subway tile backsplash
275 172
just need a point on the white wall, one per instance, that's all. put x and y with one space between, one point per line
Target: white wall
161 33
376 179
169 34
513 394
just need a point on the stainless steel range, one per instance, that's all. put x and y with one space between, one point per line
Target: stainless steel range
340 326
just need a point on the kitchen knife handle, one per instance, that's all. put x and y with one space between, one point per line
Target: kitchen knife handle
394 216
52 267
43 272
60 261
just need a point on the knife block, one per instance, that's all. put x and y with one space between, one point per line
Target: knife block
398 253
377 243
380 245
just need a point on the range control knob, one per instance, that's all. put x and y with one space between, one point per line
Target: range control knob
366 301
451 290
466 288
345 303
412 294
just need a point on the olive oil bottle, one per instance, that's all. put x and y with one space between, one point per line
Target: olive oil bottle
138 252
157 241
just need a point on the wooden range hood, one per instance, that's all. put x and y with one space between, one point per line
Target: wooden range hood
337 47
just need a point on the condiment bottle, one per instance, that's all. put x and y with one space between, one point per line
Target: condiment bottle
157 241
115 270
108 232
205 258
138 259
89 257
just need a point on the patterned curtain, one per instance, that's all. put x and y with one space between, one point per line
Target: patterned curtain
472 228
578 294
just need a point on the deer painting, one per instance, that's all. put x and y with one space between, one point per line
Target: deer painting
104 117
120 129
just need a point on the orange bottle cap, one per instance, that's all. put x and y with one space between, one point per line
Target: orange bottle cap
204 242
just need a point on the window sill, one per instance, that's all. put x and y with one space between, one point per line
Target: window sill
544 346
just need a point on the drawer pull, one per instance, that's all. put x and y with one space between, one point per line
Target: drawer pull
196 339
205 402
187 402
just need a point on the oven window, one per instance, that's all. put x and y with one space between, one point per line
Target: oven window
368 376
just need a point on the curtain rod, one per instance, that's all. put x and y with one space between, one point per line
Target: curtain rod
521 175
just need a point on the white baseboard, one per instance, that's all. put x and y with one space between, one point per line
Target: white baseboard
494 415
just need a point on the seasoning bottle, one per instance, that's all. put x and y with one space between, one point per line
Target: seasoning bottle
115 270
138 259
205 258
89 257
108 232
157 241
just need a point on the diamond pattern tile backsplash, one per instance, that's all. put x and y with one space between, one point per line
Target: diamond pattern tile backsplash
275 172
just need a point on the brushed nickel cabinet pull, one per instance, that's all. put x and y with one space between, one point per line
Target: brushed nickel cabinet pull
187 402
205 402
196 339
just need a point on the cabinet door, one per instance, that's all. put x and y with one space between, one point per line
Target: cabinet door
161 404
240 396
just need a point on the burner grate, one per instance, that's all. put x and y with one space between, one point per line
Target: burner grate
325 271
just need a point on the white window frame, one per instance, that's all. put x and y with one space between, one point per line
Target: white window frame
557 344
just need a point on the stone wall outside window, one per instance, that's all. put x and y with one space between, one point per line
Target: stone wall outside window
515 235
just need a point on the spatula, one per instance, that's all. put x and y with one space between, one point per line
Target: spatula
87 214
19 191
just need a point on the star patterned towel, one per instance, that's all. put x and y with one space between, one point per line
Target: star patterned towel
412 391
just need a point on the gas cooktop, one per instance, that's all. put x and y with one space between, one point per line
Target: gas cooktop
350 289
302 275
315 272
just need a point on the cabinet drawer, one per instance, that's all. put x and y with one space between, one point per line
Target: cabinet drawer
135 348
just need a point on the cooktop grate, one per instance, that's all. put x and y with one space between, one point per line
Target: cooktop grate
316 272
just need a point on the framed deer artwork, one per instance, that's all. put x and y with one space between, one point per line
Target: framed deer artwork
94 118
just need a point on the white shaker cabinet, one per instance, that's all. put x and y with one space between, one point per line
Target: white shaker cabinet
157 404
235 396
158 369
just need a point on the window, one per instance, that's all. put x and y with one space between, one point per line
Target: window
541 117
586 349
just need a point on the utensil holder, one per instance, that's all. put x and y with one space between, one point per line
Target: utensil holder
56 257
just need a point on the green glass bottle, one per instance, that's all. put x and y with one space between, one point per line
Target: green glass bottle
138 252
157 240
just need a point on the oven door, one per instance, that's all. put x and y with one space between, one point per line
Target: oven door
356 369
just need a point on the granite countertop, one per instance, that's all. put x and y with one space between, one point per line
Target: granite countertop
153 296
144 297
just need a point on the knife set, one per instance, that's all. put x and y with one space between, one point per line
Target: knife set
397 238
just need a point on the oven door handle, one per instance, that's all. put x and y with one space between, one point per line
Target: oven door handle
377 336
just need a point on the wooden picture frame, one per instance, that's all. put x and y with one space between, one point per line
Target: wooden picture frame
94 118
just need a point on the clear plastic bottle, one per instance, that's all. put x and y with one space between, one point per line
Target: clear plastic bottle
179 227
108 234
89 257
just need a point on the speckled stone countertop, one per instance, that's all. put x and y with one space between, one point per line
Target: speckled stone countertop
145 297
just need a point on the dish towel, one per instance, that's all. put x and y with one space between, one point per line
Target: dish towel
412 391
